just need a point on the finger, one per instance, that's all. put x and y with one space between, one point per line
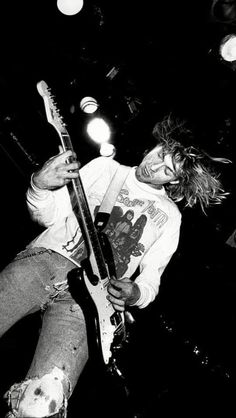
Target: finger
118 304
66 181
119 308
118 284
125 280
70 176
114 292
72 159
116 301
58 159
64 155
72 166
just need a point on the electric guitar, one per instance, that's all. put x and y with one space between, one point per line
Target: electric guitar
95 272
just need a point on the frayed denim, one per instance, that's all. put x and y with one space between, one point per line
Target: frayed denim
37 280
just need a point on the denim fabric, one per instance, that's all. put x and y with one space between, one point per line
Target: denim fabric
36 280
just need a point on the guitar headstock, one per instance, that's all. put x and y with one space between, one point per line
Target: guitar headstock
52 112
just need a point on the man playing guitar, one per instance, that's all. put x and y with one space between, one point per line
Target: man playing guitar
143 233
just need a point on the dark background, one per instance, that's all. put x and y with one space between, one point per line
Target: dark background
163 57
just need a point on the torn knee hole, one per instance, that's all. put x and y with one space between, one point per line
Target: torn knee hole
39 397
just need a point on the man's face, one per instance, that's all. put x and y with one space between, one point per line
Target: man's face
157 168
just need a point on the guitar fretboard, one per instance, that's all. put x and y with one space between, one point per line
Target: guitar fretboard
82 209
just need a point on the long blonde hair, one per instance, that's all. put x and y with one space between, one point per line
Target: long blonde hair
198 180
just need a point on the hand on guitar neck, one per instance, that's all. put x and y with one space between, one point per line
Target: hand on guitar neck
57 171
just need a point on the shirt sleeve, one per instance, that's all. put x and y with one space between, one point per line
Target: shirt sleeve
154 263
47 206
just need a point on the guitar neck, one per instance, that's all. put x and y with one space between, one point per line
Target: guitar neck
82 211
66 141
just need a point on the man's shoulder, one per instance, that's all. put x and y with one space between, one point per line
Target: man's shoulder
173 208
104 162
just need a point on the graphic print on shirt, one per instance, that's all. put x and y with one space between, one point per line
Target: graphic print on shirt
73 245
124 236
124 233
148 206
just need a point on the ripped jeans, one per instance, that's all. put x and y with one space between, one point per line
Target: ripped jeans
37 280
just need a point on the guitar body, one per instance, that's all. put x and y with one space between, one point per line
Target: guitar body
108 323
105 334
95 271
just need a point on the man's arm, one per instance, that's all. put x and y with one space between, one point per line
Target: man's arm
48 197
145 288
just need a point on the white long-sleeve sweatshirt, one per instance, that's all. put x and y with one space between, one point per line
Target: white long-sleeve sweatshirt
143 228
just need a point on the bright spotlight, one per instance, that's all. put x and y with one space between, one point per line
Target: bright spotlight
228 48
88 104
107 150
70 7
98 130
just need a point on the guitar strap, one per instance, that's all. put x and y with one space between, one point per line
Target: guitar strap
110 196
